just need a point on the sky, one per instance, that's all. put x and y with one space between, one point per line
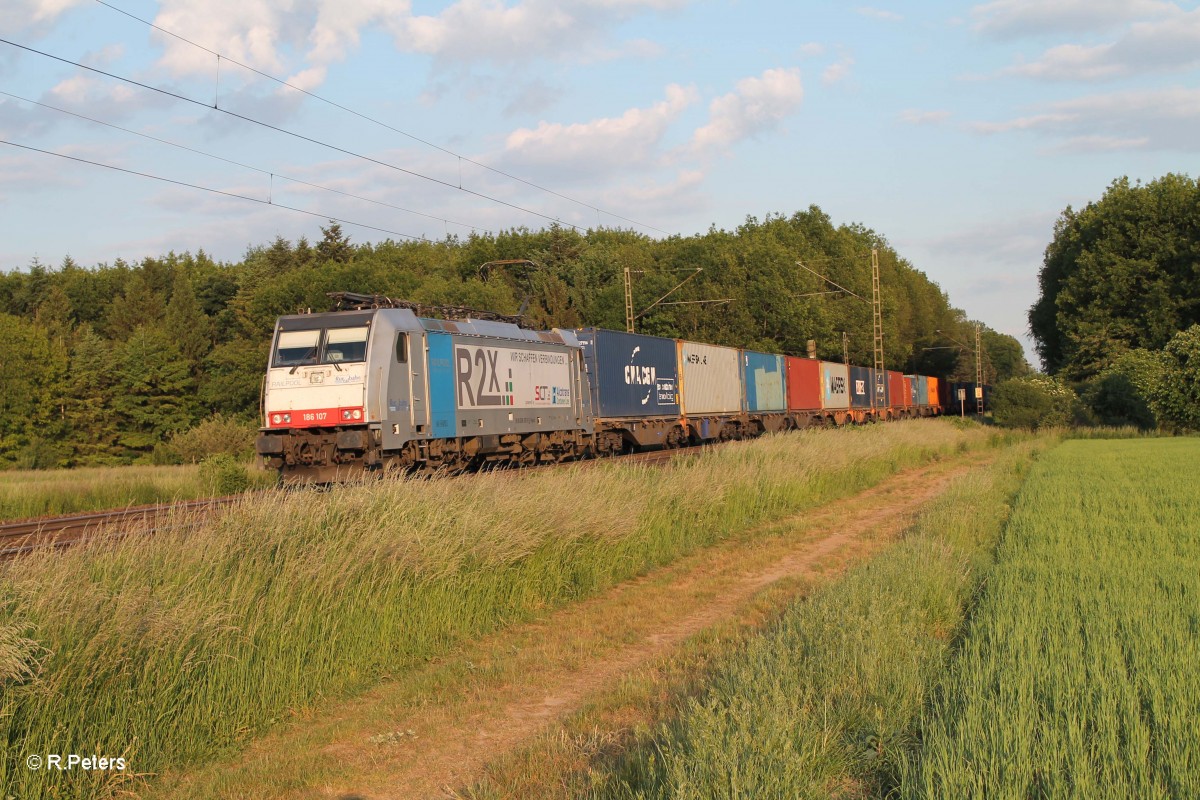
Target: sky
958 131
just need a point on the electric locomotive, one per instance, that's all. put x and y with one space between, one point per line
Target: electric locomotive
380 387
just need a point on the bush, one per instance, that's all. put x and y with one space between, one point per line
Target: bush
1033 402
1179 392
39 454
216 435
225 474
1127 393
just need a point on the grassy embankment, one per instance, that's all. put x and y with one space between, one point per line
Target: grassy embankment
1077 677
826 701
34 493
172 649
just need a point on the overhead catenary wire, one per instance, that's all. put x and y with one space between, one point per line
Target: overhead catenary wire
294 134
222 192
270 173
373 120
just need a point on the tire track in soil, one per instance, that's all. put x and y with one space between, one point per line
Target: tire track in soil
556 669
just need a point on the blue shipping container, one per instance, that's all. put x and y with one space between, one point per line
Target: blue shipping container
763 377
631 375
920 390
862 389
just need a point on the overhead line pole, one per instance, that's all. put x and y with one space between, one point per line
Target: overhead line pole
978 369
877 315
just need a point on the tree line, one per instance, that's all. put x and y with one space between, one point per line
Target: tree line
104 364
1117 320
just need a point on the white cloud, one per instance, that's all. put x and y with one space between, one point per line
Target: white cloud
837 71
1010 19
812 49
757 105
916 117
491 30
628 140
1165 119
660 201
878 13
1166 45
32 16
1102 144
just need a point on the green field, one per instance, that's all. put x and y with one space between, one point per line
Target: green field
827 701
1050 654
35 493
174 648
1078 676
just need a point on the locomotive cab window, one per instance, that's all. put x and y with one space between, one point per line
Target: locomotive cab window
297 348
401 348
345 344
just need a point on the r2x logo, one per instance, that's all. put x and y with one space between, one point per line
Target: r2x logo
478 379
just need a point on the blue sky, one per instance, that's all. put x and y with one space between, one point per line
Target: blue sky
959 131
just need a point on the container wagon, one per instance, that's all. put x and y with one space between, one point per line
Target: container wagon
634 383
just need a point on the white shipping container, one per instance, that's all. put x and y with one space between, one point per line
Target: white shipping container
835 385
710 379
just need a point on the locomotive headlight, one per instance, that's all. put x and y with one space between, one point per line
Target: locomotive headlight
357 414
345 415
277 419
287 417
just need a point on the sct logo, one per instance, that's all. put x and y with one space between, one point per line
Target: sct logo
860 387
837 384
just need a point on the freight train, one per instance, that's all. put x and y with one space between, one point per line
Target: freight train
385 386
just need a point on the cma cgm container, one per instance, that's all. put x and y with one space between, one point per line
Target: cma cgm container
710 380
803 384
763 377
835 388
898 395
862 388
631 375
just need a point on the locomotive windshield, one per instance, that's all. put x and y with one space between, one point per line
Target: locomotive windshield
345 344
297 348
332 346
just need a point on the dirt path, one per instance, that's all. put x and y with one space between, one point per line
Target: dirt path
435 732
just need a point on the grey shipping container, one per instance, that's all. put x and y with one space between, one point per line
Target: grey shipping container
632 376
712 378
835 393
763 376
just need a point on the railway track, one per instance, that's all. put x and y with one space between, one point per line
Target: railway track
25 536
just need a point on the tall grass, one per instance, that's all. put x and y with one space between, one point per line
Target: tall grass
34 493
174 648
1078 676
825 703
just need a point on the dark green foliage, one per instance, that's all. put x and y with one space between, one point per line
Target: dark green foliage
1116 401
155 391
1179 392
156 346
1119 275
33 367
225 474
1033 402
